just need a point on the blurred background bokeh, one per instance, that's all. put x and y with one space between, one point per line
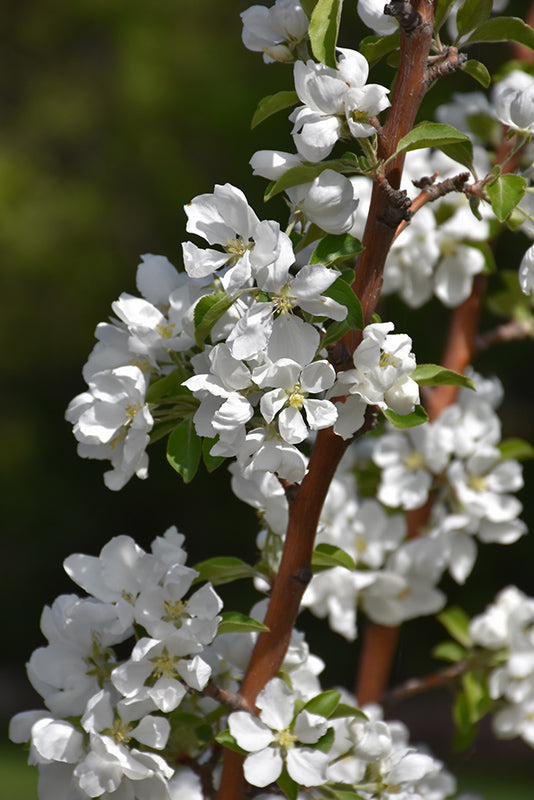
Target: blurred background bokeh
113 116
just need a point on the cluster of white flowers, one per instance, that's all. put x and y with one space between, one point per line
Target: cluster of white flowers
506 629
107 716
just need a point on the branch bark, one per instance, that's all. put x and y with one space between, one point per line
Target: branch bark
307 500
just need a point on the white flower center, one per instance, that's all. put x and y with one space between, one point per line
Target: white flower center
237 248
414 460
164 665
388 360
285 739
165 330
477 483
176 612
120 731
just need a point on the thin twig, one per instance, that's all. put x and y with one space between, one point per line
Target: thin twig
436 680
507 332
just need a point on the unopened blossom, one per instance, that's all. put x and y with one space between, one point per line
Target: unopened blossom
371 12
277 32
513 101
250 248
278 738
337 103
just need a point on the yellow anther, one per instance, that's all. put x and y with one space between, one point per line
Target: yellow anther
285 738
414 460
164 665
120 731
295 397
478 483
388 360
175 611
165 330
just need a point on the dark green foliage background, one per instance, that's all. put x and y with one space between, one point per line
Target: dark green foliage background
114 115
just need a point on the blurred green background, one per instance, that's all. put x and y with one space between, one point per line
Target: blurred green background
114 115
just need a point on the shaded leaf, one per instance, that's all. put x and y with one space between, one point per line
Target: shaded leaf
376 47
211 462
184 450
443 8
466 731
342 293
471 14
235 622
323 30
170 385
208 311
226 739
334 333
324 744
272 104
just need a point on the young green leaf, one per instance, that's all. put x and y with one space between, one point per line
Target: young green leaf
170 385
471 14
334 248
324 704
223 569
344 710
235 622
308 6
503 29
431 134
326 556
477 696
334 333
505 193
417 417
342 293
295 177
434 375
323 30
517 449
456 622
184 450
449 651
324 744
466 731
478 71
272 104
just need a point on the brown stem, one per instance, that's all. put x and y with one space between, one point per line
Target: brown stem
508 332
432 191
418 685
378 650
307 500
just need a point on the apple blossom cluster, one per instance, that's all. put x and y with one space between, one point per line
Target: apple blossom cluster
254 380
506 631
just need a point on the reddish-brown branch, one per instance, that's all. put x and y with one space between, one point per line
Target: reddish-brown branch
379 645
307 500
507 332
436 680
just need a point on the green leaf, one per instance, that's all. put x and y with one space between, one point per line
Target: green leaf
417 417
323 30
272 104
449 140
342 293
324 704
288 785
466 731
223 569
324 744
294 177
471 14
334 248
478 71
334 333
434 375
510 301
227 740
505 193
449 651
375 48
208 311
308 6
477 696
344 710
235 622
326 556
517 449
170 385
342 794
443 8
456 622
184 450
210 462
503 29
